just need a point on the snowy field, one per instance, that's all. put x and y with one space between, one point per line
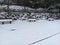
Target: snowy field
24 33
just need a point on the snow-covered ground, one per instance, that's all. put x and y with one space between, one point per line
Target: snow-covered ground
18 7
13 7
24 33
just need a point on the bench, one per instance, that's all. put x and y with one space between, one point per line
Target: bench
5 21
32 20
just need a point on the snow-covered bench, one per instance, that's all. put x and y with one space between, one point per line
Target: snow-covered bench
5 21
32 20
50 19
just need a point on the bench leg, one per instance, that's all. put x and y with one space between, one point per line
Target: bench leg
34 20
2 22
10 22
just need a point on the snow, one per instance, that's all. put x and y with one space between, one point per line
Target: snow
31 19
3 6
2 20
27 32
16 7
12 7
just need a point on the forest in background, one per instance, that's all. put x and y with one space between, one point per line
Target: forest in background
33 3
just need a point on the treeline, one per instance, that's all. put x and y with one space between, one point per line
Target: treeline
33 3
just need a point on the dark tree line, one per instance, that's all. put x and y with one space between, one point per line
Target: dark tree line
38 3
34 3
